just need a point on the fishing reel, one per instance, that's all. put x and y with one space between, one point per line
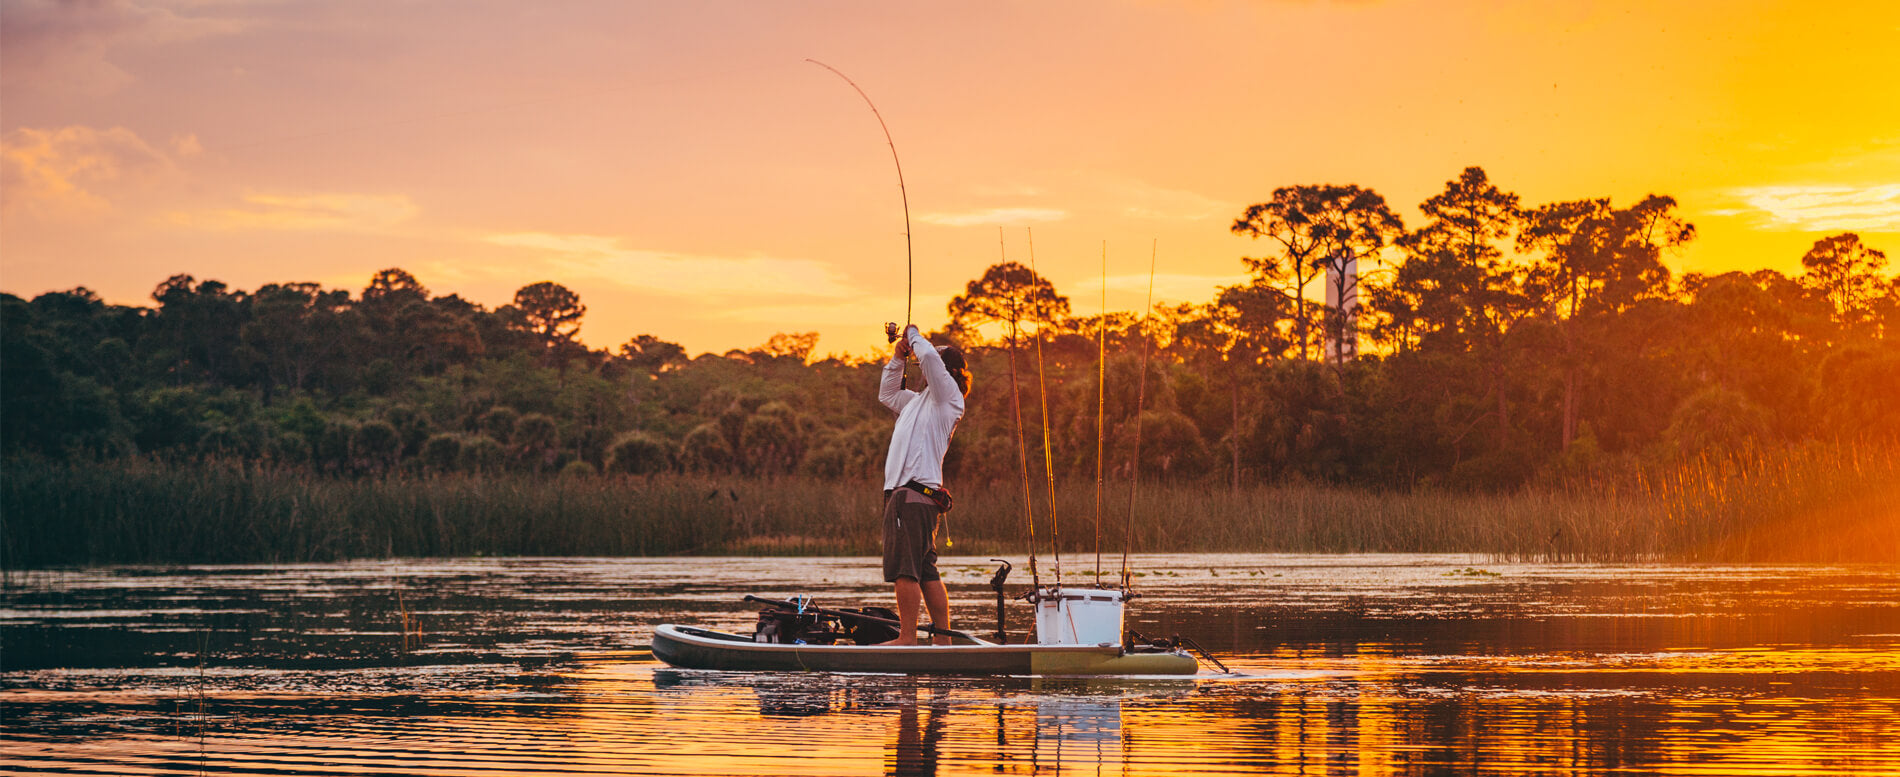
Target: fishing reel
890 331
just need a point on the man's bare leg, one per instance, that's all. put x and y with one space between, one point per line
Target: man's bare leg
937 601
908 596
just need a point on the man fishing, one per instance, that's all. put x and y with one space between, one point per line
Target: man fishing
914 497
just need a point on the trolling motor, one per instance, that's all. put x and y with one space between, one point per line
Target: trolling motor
996 583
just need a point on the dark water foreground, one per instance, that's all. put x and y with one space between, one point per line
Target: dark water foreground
1352 665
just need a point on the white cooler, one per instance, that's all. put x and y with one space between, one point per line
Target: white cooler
1078 616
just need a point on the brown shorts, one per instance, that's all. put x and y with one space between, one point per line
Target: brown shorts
910 537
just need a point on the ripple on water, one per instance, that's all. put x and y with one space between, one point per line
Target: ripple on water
1368 664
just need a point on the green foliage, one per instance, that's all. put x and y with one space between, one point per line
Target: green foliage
499 422
771 440
1856 391
638 453
376 446
705 450
1717 421
290 449
480 455
1519 343
536 441
331 450
1011 295
852 454
413 425
442 453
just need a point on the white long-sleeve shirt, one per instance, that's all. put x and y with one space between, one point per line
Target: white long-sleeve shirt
925 419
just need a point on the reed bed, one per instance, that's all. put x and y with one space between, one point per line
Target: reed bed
1826 503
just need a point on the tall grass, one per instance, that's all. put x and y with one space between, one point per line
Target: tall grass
1828 503
1817 503
144 512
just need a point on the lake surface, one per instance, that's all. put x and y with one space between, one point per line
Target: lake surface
1365 665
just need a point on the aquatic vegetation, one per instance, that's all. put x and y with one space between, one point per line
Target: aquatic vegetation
1815 504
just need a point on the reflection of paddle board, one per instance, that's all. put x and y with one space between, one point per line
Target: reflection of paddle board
690 647
1088 721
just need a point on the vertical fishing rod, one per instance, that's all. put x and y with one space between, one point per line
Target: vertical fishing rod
910 273
1101 407
1048 456
1022 452
1141 396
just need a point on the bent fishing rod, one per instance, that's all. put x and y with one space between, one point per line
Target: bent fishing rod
910 273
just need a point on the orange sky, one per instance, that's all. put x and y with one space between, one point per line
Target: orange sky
684 170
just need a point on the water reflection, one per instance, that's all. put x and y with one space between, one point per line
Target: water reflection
1039 725
931 726
1369 666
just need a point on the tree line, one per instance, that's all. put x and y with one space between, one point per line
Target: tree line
1505 344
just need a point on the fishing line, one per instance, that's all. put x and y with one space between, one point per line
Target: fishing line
1048 456
1141 396
1101 407
909 264
1022 449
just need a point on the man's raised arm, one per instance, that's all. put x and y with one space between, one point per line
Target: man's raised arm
935 374
890 385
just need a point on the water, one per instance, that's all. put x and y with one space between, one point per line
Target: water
1365 665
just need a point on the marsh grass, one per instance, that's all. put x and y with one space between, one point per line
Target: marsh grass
1824 503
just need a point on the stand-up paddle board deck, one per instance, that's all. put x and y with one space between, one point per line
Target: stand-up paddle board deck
688 647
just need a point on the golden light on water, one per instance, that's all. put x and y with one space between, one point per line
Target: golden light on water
1372 665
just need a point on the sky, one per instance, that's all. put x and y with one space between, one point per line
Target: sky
685 170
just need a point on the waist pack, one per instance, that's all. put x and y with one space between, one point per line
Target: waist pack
939 495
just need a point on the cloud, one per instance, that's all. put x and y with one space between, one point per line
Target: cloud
315 212
187 145
992 217
56 172
683 274
1142 201
1827 208
64 46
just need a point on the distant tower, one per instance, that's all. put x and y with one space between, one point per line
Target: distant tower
1342 300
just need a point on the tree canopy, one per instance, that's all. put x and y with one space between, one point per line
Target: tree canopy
1514 344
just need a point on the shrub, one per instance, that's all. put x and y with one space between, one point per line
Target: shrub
442 452
481 455
333 444
290 448
771 440
221 441
705 450
376 446
499 422
1716 420
412 424
851 454
637 453
535 440
579 468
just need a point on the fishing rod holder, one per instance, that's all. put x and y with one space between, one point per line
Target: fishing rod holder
996 583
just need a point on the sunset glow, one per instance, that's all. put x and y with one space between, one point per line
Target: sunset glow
691 176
